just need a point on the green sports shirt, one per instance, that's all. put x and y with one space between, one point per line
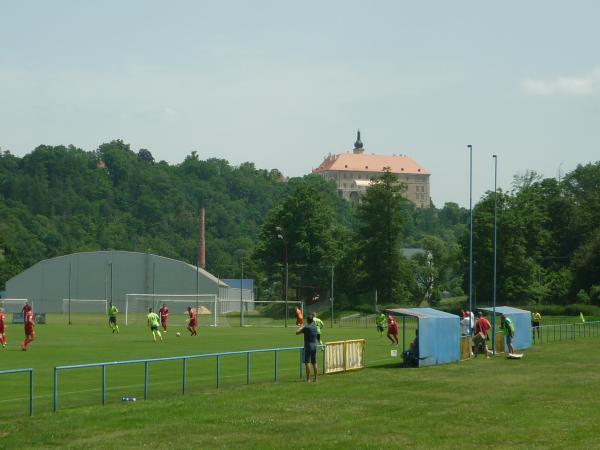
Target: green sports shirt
153 319
319 324
380 320
112 312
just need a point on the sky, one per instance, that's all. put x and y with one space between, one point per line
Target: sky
282 84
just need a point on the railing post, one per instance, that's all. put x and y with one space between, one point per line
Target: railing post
301 360
31 392
145 380
324 348
103 384
55 393
218 371
560 331
276 365
184 376
248 368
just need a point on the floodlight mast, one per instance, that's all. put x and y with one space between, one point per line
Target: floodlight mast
470 234
281 236
495 250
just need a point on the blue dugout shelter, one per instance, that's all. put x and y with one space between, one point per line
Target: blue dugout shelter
521 319
439 334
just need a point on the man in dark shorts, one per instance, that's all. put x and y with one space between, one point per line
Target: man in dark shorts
310 347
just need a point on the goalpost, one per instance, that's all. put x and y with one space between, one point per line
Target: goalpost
137 305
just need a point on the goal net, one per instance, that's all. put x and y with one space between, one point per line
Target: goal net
14 305
137 305
358 321
258 313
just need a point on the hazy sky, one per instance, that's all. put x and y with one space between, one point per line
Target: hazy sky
283 83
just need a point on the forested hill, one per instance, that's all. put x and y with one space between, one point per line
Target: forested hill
59 200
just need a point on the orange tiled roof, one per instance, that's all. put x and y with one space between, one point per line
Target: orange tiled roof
362 162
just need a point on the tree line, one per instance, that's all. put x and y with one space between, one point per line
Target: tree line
58 200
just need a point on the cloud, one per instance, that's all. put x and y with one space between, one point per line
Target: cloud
588 84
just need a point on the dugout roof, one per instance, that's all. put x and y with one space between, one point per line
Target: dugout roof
439 334
522 321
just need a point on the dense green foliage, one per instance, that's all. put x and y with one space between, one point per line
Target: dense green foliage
59 200
548 246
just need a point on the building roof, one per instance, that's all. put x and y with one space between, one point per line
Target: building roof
361 162
505 310
420 313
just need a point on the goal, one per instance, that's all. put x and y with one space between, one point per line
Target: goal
358 321
258 313
14 305
136 307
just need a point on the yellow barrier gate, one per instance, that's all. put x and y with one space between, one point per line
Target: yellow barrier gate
341 356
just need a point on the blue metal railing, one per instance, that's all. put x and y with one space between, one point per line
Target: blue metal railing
184 360
4 372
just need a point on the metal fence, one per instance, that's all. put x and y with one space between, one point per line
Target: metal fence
357 321
565 331
184 360
5 372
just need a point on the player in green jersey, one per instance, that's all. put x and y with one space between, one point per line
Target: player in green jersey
153 321
112 318
319 324
380 321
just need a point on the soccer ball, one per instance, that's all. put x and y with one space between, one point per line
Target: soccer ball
178 334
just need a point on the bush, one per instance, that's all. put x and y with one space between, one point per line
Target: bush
583 297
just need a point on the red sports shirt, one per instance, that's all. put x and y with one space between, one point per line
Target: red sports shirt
1 321
28 317
192 314
482 326
163 313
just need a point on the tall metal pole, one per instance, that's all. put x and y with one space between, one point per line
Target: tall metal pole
286 284
241 295
495 249
470 234
332 296
154 280
283 237
112 292
70 293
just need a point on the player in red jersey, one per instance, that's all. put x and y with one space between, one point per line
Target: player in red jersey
392 332
299 317
192 323
29 322
2 330
163 312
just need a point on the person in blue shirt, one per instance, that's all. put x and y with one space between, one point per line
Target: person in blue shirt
310 347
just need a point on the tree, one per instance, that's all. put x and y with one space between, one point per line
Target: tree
145 155
299 230
379 232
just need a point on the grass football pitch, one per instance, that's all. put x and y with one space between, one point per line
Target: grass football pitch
546 400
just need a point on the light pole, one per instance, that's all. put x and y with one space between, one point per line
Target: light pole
495 249
285 255
242 294
470 233
332 296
